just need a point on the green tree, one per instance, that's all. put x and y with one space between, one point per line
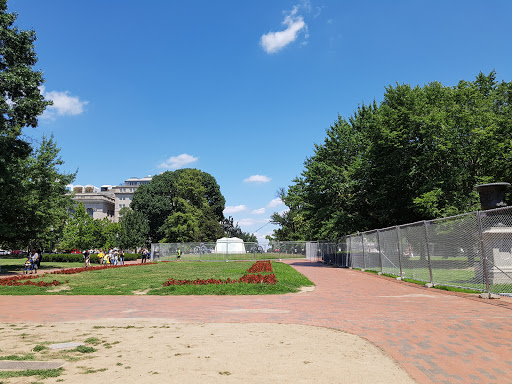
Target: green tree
105 234
324 202
184 204
134 229
48 203
79 231
32 200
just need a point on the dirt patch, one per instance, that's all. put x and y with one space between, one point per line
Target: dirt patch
59 288
154 350
144 292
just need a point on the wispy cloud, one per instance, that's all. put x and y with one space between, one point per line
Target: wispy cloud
177 162
257 179
234 209
260 211
275 202
246 222
273 42
63 104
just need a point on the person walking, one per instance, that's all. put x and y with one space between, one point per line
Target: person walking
35 257
87 258
121 257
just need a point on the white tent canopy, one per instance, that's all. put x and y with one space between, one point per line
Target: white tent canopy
230 245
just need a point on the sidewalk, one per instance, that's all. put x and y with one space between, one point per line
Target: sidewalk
437 337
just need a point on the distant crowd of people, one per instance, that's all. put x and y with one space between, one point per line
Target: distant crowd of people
110 257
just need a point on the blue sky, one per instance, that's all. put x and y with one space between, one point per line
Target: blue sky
241 90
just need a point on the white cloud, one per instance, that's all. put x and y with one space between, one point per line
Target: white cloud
257 179
260 211
273 42
246 222
274 203
176 162
63 104
234 209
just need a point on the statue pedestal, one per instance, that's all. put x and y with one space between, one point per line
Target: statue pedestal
497 243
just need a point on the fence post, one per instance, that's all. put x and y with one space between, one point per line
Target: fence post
428 253
349 260
380 253
484 257
364 259
399 251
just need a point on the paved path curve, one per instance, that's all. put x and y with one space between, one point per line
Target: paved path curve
437 337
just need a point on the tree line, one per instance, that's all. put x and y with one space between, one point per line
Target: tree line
417 155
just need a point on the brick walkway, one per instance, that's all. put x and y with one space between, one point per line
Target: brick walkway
437 337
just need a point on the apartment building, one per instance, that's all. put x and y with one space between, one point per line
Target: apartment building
123 194
107 201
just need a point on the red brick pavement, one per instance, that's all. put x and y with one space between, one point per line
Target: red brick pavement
436 337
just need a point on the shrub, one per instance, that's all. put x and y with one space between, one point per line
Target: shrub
79 258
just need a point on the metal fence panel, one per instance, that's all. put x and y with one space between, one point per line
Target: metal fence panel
454 248
341 258
497 248
389 251
371 250
356 251
414 252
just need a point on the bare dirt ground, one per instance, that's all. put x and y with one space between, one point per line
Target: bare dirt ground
160 351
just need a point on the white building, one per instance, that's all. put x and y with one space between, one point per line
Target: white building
98 204
124 193
108 200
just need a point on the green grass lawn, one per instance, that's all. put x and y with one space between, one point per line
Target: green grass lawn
16 265
234 256
149 278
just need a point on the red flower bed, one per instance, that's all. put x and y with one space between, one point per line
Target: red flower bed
258 279
261 266
25 280
250 278
199 282
71 271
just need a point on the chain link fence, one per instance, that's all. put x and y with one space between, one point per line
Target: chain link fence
472 251
229 251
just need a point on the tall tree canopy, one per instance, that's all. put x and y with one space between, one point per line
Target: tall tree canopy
31 188
415 156
184 205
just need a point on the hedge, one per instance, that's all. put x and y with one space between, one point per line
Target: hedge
79 258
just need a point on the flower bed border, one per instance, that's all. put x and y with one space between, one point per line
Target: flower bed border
249 278
15 281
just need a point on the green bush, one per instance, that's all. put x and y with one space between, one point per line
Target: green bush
79 258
